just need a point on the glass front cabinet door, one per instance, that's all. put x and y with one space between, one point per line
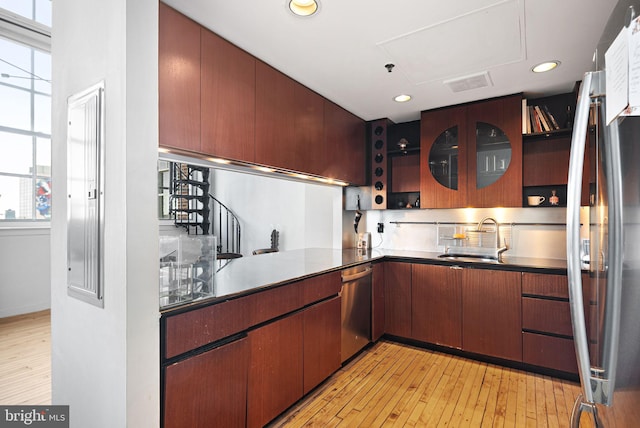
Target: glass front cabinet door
472 155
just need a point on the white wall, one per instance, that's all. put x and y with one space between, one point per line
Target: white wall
105 361
306 215
25 266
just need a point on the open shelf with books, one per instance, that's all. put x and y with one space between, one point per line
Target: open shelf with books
548 116
546 149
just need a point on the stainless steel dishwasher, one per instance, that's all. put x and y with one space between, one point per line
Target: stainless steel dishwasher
356 309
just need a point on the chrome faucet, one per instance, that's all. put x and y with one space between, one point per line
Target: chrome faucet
499 249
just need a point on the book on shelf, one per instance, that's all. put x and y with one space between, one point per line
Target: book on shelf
525 122
543 120
554 122
536 126
537 119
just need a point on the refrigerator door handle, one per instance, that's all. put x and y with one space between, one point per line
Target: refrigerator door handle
574 271
604 383
581 406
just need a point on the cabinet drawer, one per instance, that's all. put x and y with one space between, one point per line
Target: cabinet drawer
549 316
200 327
275 302
545 285
320 287
548 351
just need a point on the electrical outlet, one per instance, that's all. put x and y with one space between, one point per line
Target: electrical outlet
380 227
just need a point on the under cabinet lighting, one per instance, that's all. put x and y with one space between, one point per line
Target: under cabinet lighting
264 169
220 161
304 7
545 66
178 155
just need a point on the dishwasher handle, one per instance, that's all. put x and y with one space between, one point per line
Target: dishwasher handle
353 277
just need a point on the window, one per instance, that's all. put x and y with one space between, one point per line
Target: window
25 110
36 10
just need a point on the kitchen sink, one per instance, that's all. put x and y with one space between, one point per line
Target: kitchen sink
469 258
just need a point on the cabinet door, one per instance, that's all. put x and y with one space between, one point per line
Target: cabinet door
492 313
209 389
308 122
228 99
436 305
321 342
397 284
344 143
275 369
275 112
443 158
178 80
494 166
377 302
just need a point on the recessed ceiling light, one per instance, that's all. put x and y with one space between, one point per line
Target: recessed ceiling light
402 98
304 7
545 66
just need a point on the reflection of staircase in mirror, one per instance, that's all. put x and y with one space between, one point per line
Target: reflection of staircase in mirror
199 212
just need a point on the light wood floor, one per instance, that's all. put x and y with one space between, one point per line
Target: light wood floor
398 385
390 384
25 359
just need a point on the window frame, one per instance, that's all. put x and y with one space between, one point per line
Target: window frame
36 36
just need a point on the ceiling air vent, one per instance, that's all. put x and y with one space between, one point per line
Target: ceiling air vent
472 81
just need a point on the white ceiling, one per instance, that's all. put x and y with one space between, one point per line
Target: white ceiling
341 52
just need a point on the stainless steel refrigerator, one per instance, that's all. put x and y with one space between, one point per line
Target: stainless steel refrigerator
605 308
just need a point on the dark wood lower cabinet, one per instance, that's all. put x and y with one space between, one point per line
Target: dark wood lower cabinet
548 351
548 316
492 313
436 304
547 332
209 389
321 342
377 302
397 300
275 369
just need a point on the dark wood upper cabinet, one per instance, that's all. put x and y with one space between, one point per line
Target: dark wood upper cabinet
178 80
471 155
308 122
344 143
228 99
436 305
443 158
487 156
492 313
275 110
546 161
215 99
405 173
